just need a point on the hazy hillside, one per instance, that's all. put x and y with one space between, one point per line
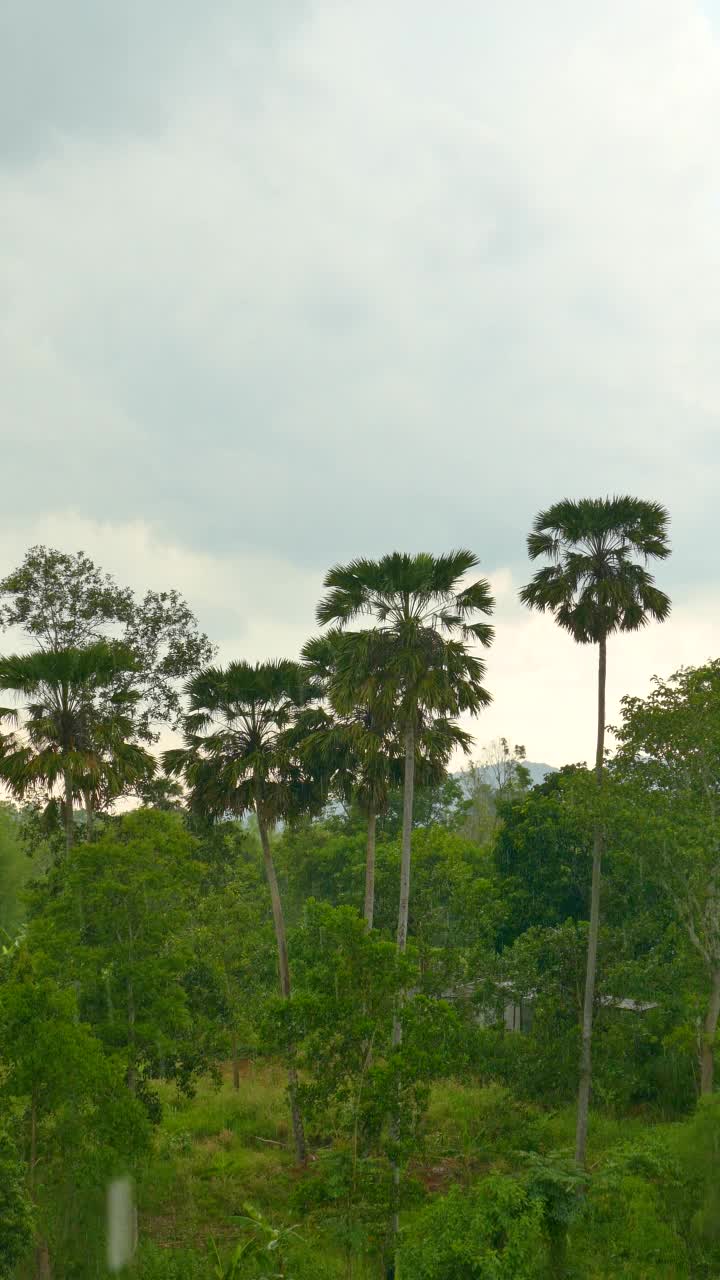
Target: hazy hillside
538 771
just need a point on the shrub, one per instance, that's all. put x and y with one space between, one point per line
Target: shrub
492 1232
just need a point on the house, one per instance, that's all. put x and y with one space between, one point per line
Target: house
518 1013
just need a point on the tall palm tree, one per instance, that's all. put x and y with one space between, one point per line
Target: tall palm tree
595 587
413 667
240 757
75 731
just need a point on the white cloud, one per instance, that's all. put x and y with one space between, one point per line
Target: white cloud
355 277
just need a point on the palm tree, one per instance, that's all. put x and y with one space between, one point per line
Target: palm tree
357 755
595 587
240 756
413 667
76 731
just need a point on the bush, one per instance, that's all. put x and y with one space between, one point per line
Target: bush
492 1232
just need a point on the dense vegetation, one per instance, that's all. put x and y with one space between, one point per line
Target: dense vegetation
335 1010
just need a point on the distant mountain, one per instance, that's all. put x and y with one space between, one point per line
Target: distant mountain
538 772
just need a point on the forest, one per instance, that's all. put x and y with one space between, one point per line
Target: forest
301 978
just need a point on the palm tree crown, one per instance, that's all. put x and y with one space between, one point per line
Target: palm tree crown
593 585
77 728
238 746
415 656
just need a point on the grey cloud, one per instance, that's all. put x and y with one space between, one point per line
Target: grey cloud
99 67
413 292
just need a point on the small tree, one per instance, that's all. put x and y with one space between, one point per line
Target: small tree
241 757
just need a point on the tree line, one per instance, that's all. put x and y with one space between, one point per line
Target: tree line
368 717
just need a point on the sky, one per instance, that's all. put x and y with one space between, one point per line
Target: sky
285 282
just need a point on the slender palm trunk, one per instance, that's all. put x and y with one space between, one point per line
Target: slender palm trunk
42 1254
370 869
707 1056
284 973
408 798
132 1053
89 815
69 824
587 1023
402 929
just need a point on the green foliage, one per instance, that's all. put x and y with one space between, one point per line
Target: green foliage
481 1122
15 870
542 852
413 666
117 919
77 731
492 1232
593 584
16 1217
65 602
241 754
348 983
77 1123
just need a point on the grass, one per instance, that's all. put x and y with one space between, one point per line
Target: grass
225 1148
213 1153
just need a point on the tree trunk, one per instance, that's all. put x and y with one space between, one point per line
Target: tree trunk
43 1269
408 797
33 1142
707 1056
89 815
235 1063
132 1064
587 1023
69 824
42 1254
370 869
284 973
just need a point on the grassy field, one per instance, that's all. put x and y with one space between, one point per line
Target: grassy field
225 1148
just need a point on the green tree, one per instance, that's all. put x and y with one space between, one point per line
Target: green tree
64 601
75 734
542 852
669 762
594 587
78 1125
241 756
360 755
15 869
118 920
356 752
16 1225
414 665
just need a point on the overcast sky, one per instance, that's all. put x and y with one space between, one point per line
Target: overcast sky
284 282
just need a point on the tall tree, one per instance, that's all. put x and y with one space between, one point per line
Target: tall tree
63 601
357 753
595 587
75 733
413 666
240 756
